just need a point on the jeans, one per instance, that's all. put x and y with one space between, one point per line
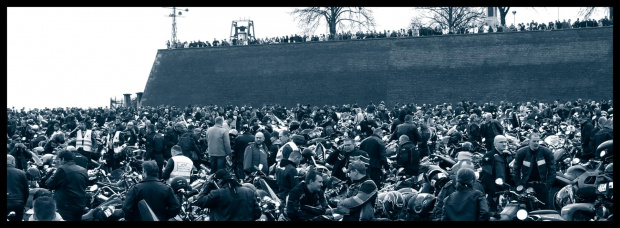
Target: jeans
217 163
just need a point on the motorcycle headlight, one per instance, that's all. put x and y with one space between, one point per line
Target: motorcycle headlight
576 160
521 214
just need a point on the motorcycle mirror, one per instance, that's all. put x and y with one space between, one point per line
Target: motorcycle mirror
499 181
93 188
521 214
530 190
519 188
260 166
603 153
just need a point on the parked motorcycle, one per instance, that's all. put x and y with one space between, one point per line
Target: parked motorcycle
578 199
521 205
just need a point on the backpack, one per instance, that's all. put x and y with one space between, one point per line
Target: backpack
403 156
189 147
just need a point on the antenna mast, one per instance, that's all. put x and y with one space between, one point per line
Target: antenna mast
174 23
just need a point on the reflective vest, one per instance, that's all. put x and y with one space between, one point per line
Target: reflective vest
182 168
84 141
279 155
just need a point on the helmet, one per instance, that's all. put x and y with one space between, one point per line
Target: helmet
436 176
393 204
423 203
178 183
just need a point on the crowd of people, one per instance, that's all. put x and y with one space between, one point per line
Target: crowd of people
410 32
180 140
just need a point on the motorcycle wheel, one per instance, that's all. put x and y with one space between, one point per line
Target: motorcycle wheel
581 216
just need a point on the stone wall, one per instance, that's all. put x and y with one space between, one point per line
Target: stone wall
511 66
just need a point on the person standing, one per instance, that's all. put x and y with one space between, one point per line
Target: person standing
474 136
231 202
466 203
255 155
240 144
338 160
489 129
154 146
17 191
287 175
69 182
495 166
407 156
375 147
178 165
159 196
219 145
534 166
87 140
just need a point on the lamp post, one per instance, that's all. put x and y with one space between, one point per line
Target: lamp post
514 12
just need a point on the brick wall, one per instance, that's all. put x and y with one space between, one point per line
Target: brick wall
515 66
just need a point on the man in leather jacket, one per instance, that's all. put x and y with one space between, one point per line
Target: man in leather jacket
159 196
16 189
69 182
495 166
306 201
338 160
287 176
534 167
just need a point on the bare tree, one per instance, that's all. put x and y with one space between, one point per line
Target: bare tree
503 11
335 17
452 17
586 12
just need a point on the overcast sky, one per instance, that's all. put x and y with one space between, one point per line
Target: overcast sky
83 56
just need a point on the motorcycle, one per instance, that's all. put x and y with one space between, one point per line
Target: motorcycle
578 199
106 203
521 205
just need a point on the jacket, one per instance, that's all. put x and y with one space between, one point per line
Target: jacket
16 186
231 204
494 165
69 182
413 166
300 198
154 145
171 138
352 190
375 147
159 196
254 155
525 160
241 143
409 129
286 177
466 205
340 159
218 141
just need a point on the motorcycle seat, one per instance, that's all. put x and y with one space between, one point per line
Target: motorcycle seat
543 212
